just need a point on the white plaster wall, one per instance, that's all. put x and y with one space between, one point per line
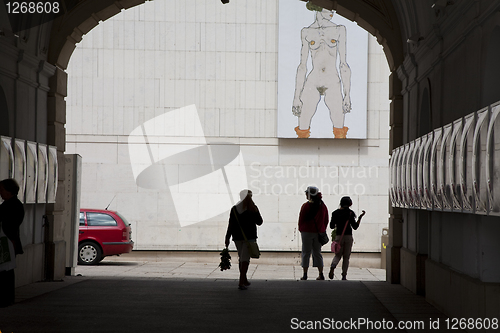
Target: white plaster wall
222 58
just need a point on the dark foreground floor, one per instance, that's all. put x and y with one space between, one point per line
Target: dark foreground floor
142 305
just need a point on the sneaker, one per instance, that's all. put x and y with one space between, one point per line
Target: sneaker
344 277
304 277
320 277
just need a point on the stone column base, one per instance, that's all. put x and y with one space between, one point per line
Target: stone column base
413 271
458 295
393 264
56 259
29 265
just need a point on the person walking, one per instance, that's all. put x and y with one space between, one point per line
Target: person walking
11 217
340 217
313 219
244 218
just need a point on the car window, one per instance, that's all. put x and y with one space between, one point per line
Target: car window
100 219
123 219
82 218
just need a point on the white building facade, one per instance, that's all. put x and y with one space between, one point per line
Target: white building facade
174 110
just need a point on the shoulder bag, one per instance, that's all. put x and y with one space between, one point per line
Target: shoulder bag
336 245
322 236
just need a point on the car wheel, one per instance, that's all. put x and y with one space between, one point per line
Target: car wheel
89 253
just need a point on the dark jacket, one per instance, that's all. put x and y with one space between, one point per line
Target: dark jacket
11 217
248 220
340 218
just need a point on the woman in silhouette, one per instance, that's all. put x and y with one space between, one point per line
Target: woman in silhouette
313 219
342 216
11 217
244 218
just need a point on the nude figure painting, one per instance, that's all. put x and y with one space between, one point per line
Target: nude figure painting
327 85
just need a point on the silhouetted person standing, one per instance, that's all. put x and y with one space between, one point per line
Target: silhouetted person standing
342 216
313 219
11 217
244 218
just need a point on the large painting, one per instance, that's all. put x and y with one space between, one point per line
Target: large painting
322 74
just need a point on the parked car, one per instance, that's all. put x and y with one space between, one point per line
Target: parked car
102 233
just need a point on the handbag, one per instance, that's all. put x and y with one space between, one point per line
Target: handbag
254 250
323 238
336 245
253 247
7 254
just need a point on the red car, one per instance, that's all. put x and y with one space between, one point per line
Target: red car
102 233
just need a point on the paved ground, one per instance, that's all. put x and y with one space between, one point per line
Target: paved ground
181 270
184 294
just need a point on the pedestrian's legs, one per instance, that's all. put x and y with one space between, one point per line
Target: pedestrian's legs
347 247
317 257
7 288
243 274
307 246
335 259
244 262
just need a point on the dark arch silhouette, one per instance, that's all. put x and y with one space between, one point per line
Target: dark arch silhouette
380 20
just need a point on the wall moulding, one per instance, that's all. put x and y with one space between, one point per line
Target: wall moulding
445 27
492 161
33 165
451 168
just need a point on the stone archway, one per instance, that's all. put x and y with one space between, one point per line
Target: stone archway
376 16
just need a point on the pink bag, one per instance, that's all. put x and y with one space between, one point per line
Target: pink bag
336 245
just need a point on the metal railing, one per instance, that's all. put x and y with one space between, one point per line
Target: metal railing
33 165
455 168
